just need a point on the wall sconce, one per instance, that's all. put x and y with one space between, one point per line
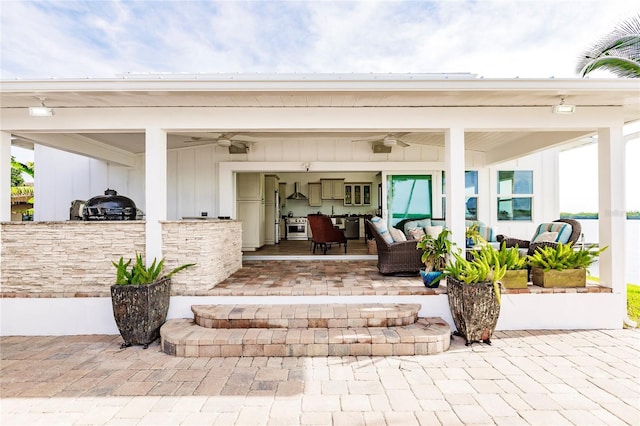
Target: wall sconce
306 166
41 111
563 108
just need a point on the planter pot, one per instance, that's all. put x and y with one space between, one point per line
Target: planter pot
140 310
554 278
474 308
515 278
431 279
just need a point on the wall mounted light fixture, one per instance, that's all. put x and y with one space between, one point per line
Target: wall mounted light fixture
306 166
563 108
41 111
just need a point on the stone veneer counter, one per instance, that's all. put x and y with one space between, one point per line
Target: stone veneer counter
73 258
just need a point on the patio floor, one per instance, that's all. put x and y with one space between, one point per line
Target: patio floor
528 377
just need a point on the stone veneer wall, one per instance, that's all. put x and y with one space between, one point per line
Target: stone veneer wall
215 247
73 259
65 258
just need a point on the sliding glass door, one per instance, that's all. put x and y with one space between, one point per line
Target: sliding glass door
408 196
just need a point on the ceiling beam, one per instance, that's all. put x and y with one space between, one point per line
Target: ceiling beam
82 145
531 144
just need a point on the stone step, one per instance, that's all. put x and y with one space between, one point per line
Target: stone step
184 338
305 315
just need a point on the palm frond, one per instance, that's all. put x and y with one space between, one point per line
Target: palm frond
617 52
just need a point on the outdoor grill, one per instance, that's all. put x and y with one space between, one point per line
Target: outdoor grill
109 206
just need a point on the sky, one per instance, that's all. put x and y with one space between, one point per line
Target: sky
492 39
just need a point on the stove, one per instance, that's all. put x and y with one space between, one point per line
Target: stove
296 228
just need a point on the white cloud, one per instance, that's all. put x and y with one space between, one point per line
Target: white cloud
493 39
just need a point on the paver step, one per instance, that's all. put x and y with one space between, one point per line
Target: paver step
305 315
184 338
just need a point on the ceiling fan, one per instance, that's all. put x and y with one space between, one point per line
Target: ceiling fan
386 143
225 140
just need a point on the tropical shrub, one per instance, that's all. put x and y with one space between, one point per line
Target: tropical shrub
140 274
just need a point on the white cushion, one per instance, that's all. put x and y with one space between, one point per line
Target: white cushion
397 235
546 237
381 226
433 231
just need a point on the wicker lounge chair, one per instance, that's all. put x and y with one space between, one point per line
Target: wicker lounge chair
576 230
398 258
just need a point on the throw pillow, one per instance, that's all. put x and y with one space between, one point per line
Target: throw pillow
433 231
381 227
546 237
563 230
412 224
415 233
397 235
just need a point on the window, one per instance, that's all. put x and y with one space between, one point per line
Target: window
409 196
515 195
470 194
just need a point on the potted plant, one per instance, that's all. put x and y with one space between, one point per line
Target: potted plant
472 235
473 291
516 274
434 256
561 265
140 299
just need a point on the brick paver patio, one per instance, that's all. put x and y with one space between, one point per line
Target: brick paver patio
539 378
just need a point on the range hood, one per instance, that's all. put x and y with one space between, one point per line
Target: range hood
297 195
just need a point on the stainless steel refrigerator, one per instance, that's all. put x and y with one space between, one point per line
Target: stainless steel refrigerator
277 217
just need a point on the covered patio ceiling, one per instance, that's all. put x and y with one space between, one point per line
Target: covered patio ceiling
316 91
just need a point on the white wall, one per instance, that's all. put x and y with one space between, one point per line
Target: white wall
62 177
91 315
545 193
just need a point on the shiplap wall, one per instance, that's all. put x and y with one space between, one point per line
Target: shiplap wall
192 178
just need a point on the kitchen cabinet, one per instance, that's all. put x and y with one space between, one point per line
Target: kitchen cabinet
332 189
250 209
249 186
315 194
251 214
357 194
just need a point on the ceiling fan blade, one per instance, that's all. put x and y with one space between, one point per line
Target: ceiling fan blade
402 143
367 140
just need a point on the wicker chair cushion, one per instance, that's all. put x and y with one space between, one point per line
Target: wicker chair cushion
564 231
382 229
433 231
546 237
422 223
397 235
415 233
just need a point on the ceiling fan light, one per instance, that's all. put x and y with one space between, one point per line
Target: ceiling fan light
389 141
40 111
224 142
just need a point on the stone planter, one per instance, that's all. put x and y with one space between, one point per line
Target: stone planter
554 278
515 278
474 308
140 310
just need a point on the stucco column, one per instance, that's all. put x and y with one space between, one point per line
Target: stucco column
5 176
612 209
454 187
155 181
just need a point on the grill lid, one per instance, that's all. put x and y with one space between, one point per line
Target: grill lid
109 206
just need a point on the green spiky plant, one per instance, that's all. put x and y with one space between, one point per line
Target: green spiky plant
563 256
140 274
485 266
510 258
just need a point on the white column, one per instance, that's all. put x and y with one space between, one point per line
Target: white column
612 209
5 176
155 191
455 167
